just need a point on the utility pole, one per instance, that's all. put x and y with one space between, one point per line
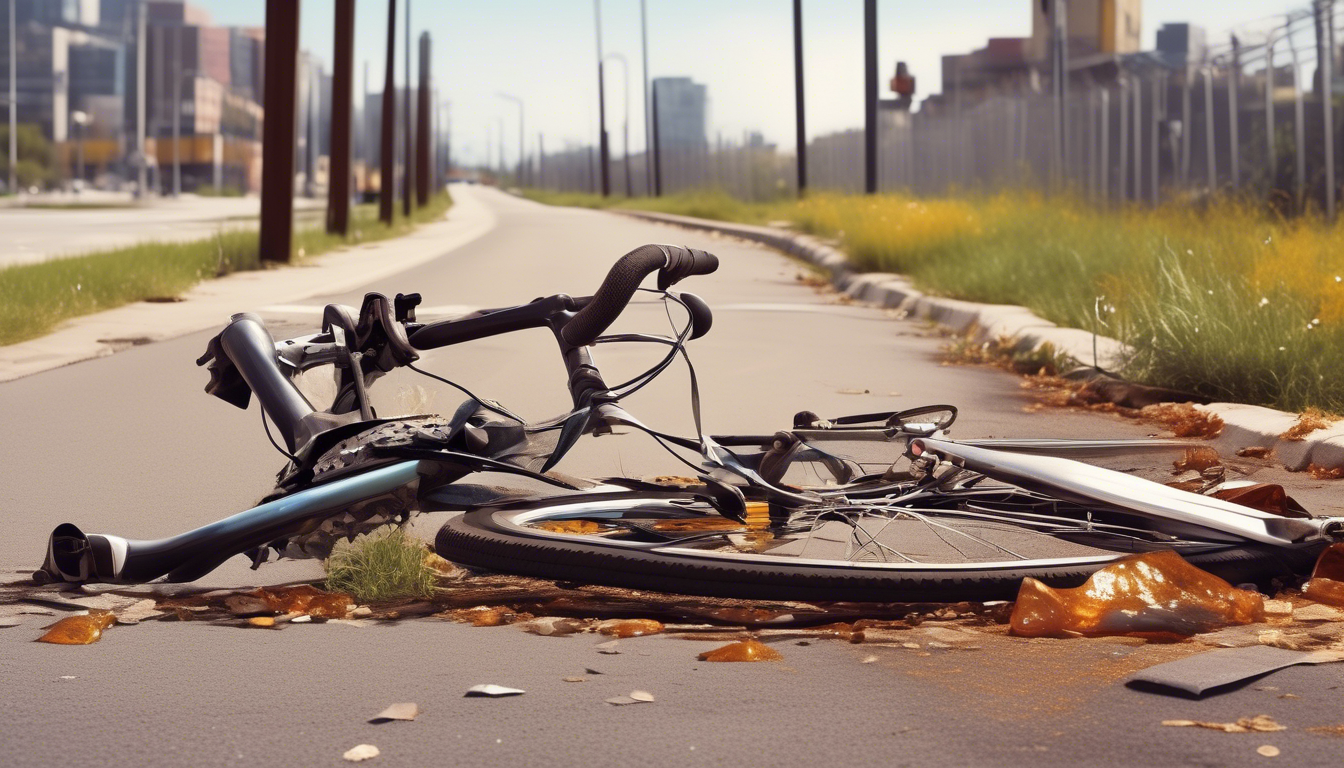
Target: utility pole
342 87
277 149
648 127
1327 68
14 106
870 96
602 105
422 179
387 187
657 155
365 146
798 95
177 112
408 147
1059 84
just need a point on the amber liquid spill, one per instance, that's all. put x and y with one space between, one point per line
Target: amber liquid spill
306 599
743 650
631 628
79 630
1157 593
1327 578
584 527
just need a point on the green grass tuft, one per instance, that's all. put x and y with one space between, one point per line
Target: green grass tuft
381 566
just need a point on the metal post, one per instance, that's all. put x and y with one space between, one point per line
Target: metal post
801 128
602 104
1210 161
625 125
1138 139
342 87
1234 141
422 179
387 188
1299 128
14 106
1186 127
1059 81
408 144
648 124
177 111
870 96
657 147
1272 152
1122 170
1105 144
1328 106
277 149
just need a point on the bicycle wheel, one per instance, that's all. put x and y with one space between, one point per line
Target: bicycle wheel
979 547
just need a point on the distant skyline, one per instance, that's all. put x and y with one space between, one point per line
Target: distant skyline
545 52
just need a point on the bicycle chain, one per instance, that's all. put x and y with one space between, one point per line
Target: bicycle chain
393 508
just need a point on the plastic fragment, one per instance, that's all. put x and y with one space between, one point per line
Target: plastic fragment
360 753
1258 724
1327 578
743 650
79 630
1157 593
641 696
401 711
493 691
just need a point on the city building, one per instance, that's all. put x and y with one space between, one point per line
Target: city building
1181 45
1106 27
681 112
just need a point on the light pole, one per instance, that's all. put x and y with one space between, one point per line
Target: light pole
601 104
521 134
625 126
648 122
13 105
80 119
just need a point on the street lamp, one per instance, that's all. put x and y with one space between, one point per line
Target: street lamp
625 127
521 134
80 119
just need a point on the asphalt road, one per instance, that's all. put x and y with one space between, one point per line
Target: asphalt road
129 444
38 234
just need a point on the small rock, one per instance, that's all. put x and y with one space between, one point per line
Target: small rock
361 752
1267 750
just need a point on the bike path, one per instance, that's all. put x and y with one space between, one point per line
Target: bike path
129 444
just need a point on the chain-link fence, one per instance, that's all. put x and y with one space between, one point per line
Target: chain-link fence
1249 116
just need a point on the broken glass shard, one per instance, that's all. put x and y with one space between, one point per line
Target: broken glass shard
1157 593
1327 578
630 627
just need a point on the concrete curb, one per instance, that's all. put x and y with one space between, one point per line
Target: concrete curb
210 303
1245 425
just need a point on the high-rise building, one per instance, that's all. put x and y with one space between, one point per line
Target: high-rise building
681 112
1181 44
1094 27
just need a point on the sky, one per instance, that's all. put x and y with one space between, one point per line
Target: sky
545 52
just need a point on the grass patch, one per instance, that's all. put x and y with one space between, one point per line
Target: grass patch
1226 300
381 566
34 298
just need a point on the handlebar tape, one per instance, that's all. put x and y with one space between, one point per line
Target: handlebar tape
675 263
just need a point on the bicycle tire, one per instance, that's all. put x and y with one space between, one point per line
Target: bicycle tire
478 539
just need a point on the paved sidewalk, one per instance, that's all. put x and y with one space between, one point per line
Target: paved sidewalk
212 302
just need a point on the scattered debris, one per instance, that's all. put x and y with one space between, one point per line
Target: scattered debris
1156 593
1327 730
360 753
266 622
1316 612
575 679
79 630
493 691
1317 472
1214 669
621 701
402 711
1326 584
1278 609
1255 452
141 610
743 650
853 391
1308 421
581 527
1267 750
1198 459
630 627
553 626
868 660
1257 724
608 647
641 696
305 599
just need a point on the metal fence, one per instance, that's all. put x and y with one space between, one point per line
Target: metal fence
1247 116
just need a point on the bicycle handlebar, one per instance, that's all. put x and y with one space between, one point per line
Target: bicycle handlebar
673 262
